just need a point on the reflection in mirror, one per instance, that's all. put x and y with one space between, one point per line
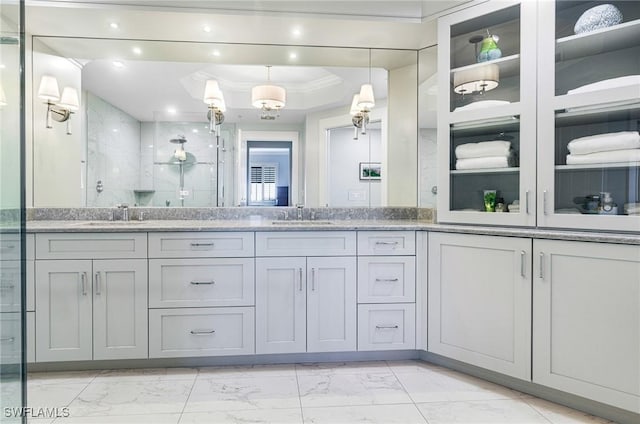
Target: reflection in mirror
427 121
138 96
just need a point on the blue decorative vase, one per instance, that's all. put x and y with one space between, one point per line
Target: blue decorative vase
602 16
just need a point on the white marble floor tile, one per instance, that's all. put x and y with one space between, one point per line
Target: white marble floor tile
131 397
53 395
438 385
330 368
559 414
148 374
412 367
276 416
37 420
374 414
248 371
59 377
487 411
350 389
229 394
123 419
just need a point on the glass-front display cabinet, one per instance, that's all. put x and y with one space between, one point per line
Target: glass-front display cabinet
487 115
589 115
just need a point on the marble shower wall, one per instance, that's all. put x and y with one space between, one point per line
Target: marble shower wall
113 153
428 167
160 171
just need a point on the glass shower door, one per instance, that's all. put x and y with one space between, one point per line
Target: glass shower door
12 264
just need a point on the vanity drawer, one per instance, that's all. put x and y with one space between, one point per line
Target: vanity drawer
201 282
386 327
201 332
306 243
386 243
386 279
10 246
91 246
201 245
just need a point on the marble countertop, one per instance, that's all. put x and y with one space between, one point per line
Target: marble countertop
322 225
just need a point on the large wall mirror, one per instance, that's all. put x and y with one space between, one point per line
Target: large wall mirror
142 136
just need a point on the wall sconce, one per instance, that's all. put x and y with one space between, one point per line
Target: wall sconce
362 104
59 109
215 100
476 79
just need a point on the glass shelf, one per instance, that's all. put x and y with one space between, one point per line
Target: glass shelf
617 37
510 170
509 66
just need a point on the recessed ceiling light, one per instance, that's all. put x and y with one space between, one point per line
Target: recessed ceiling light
115 130
211 146
137 50
2 66
296 32
195 130
171 110
216 53
151 146
293 55
118 64
114 25
206 28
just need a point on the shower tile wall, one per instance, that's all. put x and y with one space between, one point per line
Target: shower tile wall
113 153
160 167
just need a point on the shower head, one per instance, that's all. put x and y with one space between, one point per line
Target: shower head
179 140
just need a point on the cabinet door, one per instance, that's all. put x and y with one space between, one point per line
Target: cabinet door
281 305
331 304
63 302
586 320
480 301
120 309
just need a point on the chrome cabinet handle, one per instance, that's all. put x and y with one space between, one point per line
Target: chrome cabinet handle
526 202
202 332
8 247
541 265
386 243
7 287
300 277
7 339
544 202
202 283
83 280
387 280
98 283
202 244
313 279
386 327
522 256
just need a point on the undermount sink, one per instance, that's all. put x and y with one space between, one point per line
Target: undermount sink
302 222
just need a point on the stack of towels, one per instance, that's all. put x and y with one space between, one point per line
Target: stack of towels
514 207
632 209
483 155
621 146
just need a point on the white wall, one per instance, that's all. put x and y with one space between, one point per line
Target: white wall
57 169
345 154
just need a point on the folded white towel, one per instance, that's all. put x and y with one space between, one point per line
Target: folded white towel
485 163
483 149
622 140
482 104
607 84
631 155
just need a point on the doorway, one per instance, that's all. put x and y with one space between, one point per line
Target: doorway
269 169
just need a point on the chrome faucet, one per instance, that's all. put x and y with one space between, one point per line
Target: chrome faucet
125 211
300 210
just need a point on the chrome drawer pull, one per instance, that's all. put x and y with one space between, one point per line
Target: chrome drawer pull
7 287
300 276
387 280
522 256
9 247
98 283
83 280
202 283
7 339
386 243
202 244
313 279
542 265
202 332
386 327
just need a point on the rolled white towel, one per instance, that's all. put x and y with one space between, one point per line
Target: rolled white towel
483 149
629 155
622 140
485 163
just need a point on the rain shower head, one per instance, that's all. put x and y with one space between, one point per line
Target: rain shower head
179 140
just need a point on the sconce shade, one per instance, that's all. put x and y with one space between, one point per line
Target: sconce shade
3 97
268 96
48 89
476 79
213 95
354 105
366 99
69 99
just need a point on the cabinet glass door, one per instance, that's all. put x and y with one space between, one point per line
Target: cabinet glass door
486 115
589 115
12 238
